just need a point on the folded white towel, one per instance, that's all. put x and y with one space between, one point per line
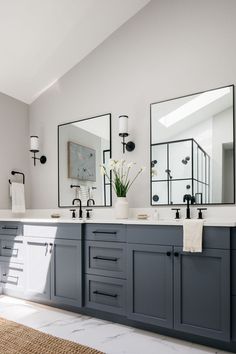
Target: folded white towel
18 197
192 241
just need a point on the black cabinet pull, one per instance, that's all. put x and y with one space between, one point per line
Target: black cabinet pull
6 248
176 254
110 259
105 232
9 228
46 246
96 292
51 248
168 253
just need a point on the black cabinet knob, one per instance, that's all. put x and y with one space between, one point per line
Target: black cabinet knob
176 254
168 253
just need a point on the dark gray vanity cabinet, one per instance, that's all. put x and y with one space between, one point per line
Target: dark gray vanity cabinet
170 288
202 293
105 268
150 285
53 269
66 272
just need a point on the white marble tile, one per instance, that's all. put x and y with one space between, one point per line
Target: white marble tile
110 338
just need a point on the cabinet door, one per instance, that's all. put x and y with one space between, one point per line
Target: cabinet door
37 268
202 293
150 284
66 272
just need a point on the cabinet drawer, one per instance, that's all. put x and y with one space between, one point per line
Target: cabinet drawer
9 228
213 237
105 232
106 258
62 231
11 249
12 276
105 294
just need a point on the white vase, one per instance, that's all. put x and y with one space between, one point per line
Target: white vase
121 208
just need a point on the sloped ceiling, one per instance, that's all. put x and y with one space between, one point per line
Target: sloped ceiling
40 40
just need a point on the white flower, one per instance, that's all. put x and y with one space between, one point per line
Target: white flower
111 164
143 168
118 164
130 164
154 172
102 170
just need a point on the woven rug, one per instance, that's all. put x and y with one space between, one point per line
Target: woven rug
18 339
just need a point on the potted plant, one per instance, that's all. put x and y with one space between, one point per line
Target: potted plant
121 182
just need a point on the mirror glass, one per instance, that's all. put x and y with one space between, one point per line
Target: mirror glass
192 148
82 147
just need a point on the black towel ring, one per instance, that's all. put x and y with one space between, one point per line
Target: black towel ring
18 173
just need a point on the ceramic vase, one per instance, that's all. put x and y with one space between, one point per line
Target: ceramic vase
121 208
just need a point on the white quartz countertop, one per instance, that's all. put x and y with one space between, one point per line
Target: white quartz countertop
173 222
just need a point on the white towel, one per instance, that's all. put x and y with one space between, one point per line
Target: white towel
192 241
18 197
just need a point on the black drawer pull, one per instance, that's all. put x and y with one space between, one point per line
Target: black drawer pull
9 228
105 232
96 292
110 259
176 254
168 253
7 248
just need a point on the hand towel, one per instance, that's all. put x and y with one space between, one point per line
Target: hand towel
192 240
18 197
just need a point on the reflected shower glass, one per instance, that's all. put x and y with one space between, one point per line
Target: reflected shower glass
192 140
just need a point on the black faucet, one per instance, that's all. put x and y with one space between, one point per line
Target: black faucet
92 200
188 198
80 206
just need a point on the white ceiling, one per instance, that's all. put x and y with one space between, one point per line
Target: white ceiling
40 40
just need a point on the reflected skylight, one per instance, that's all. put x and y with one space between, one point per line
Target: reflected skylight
193 106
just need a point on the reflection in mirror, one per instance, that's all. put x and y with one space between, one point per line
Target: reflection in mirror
192 148
82 147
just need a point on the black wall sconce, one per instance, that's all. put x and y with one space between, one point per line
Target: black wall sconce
34 148
123 132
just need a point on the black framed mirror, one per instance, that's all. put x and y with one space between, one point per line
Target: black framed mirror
83 145
192 148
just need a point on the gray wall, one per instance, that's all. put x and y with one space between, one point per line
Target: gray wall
170 48
14 146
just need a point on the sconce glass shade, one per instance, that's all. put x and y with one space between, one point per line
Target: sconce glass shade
123 125
34 143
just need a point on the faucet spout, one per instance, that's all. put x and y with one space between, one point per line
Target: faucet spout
189 199
80 206
90 200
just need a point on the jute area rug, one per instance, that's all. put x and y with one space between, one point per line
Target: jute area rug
18 339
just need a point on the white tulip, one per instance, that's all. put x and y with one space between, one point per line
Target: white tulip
143 168
130 164
102 170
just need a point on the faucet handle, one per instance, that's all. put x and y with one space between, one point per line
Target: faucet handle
88 213
177 216
73 213
200 212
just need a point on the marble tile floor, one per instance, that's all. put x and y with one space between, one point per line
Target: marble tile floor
110 338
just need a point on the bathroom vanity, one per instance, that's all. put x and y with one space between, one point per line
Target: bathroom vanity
132 273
